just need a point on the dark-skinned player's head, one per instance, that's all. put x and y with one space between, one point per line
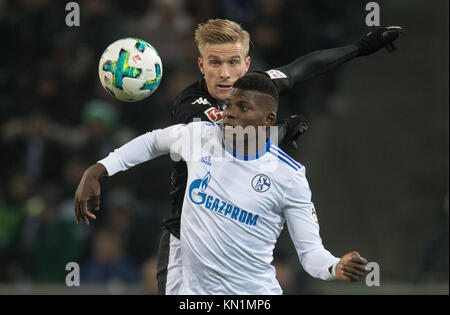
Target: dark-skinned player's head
253 101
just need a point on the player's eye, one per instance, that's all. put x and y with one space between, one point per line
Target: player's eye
243 108
234 62
214 62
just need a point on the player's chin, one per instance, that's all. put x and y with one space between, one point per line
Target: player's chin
228 124
222 93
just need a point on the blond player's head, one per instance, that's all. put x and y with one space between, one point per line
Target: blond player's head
221 31
223 47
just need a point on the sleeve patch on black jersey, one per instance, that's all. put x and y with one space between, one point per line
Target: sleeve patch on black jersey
276 74
214 114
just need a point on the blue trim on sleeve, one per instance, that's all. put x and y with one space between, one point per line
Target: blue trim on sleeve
278 150
296 168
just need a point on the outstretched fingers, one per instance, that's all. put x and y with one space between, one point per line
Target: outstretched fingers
82 213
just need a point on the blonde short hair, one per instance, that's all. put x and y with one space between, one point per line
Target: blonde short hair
219 31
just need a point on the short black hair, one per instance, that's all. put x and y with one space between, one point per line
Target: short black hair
257 81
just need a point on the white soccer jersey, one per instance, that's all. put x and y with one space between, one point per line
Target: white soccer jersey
234 210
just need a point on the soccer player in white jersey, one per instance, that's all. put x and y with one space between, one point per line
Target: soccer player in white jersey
239 194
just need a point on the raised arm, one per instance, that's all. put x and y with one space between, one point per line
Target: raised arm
139 150
319 62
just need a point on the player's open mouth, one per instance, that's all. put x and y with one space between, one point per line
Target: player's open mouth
224 86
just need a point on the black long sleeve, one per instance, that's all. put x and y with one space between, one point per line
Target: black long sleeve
311 65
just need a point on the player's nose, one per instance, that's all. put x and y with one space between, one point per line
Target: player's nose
224 72
228 113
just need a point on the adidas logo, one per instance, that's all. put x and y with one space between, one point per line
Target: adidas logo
206 160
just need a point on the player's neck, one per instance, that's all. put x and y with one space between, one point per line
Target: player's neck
243 143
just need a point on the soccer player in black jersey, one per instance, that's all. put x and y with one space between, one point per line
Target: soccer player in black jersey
223 47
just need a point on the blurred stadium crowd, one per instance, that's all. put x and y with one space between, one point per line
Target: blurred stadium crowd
56 120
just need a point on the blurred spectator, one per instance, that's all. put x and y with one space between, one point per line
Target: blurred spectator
292 280
49 237
31 148
18 189
202 10
285 275
100 120
108 262
100 132
73 171
163 24
137 223
267 34
148 276
432 265
240 11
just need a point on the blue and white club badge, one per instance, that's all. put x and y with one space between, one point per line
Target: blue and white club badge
261 183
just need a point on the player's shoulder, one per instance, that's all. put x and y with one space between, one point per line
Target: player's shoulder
289 173
205 127
273 74
193 101
195 93
203 123
196 129
288 164
207 131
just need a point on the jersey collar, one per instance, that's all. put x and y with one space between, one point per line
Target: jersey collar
245 157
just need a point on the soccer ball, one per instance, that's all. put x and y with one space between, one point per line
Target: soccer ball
130 69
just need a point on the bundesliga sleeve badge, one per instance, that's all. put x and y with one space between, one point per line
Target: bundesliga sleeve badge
314 215
214 114
276 74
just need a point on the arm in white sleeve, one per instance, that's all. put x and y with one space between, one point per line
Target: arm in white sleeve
143 148
304 229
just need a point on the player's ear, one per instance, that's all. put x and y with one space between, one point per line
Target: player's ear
248 60
271 119
201 65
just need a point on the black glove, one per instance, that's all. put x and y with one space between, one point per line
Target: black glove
381 37
289 130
